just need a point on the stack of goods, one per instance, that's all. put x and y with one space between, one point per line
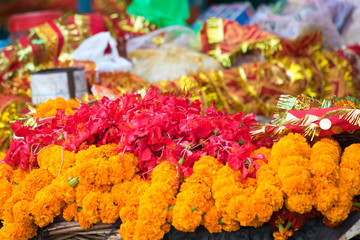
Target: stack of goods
155 161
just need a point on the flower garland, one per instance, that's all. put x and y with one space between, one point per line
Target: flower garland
182 169
152 127
101 184
49 108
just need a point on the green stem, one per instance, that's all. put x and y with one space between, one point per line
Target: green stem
281 227
356 204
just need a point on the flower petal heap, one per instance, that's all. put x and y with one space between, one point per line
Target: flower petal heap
155 127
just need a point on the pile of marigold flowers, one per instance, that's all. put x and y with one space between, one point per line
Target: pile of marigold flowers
156 162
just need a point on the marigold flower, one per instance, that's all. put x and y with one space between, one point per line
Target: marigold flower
153 207
168 173
22 214
61 183
213 219
93 152
130 210
235 205
18 175
349 181
230 224
323 165
299 203
190 205
6 189
26 190
128 229
294 179
35 181
47 204
90 208
290 145
325 194
195 195
105 166
16 231
266 175
6 171
341 209
16 196
272 193
123 167
109 210
284 235
55 159
120 191
49 108
351 157
156 202
70 212
327 146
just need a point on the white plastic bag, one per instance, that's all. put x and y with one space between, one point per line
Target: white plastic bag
176 55
93 49
176 35
314 15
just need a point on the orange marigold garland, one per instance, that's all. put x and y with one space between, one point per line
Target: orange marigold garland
226 185
194 198
156 202
50 107
129 213
324 167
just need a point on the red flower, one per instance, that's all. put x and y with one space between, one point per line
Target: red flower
154 128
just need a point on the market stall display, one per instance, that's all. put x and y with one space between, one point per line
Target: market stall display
152 132
156 161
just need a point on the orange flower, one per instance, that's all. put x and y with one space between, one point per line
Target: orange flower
341 209
6 171
325 193
195 195
351 157
289 146
18 175
299 203
226 185
70 212
49 108
16 231
349 181
22 213
16 196
47 204
109 211
130 210
6 189
120 191
90 211
294 179
128 229
55 159
213 219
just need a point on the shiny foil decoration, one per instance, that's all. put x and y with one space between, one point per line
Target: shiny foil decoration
225 39
108 7
46 43
10 110
51 44
124 27
121 82
311 118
